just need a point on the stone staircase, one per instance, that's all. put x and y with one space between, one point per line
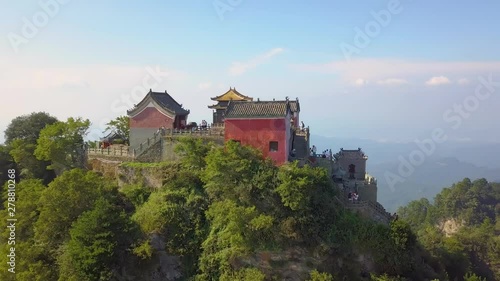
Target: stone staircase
145 145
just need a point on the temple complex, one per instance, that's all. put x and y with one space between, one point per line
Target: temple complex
271 126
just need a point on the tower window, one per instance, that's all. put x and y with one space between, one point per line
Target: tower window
273 146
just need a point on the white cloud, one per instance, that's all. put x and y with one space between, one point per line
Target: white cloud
238 68
438 80
204 86
392 81
380 69
360 82
463 81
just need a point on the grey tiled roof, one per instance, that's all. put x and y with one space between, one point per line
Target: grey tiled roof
351 154
257 109
164 100
294 106
167 101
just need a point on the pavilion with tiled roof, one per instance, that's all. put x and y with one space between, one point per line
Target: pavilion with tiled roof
162 101
156 110
222 102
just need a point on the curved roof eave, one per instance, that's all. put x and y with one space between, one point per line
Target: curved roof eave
141 107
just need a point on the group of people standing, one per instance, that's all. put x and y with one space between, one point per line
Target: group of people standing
327 153
204 124
353 196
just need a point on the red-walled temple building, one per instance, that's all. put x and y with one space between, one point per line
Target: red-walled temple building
156 110
266 125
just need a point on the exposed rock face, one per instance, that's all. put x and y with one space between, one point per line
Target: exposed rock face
450 226
149 177
166 267
108 168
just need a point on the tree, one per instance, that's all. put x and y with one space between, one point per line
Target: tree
28 127
473 277
317 276
239 173
121 126
21 138
193 152
27 268
178 213
98 238
308 199
6 163
231 236
245 274
29 166
62 144
66 198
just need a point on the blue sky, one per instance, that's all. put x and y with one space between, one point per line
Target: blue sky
90 56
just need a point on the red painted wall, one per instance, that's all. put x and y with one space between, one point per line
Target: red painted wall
258 133
151 118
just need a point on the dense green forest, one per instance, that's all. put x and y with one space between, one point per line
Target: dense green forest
224 213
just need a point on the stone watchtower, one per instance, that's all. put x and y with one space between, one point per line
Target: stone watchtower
350 170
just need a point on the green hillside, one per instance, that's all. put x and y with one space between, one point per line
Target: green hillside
225 213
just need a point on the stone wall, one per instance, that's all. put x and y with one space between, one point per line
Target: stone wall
108 168
148 175
374 211
140 135
360 166
368 192
152 154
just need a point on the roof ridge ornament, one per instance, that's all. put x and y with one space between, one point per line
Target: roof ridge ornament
150 90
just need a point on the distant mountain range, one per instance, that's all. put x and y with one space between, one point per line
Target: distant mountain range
449 163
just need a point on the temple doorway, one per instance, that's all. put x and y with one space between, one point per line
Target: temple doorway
352 171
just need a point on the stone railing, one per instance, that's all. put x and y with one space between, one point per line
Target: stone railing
110 151
218 125
304 132
216 131
372 209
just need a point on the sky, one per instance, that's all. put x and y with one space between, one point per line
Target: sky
390 71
